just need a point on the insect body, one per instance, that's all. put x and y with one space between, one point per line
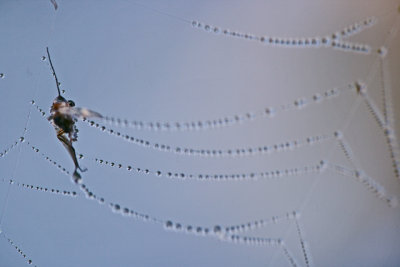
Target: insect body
63 116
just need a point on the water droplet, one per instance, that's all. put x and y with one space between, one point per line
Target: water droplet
178 227
2 75
317 97
43 58
126 211
270 112
116 208
217 229
338 134
382 51
168 224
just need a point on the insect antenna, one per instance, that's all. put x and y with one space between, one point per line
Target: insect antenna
54 73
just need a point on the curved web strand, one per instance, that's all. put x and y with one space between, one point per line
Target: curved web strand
386 92
394 149
284 146
303 244
388 114
358 174
44 189
235 119
277 173
256 224
355 28
18 249
382 120
270 174
362 91
222 233
11 147
371 184
333 41
289 256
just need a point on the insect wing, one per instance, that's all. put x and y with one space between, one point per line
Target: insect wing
79 113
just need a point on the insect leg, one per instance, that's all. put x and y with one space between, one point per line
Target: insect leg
68 145
54 72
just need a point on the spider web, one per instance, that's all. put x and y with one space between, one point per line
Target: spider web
235 135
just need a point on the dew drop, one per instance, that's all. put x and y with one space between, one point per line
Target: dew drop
2 75
217 229
382 51
116 208
126 211
270 112
178 226
43 58
338 134
168 224
317 97
199 230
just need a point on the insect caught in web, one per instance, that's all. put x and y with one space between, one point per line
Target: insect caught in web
63 116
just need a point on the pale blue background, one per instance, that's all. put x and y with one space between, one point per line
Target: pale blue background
122 59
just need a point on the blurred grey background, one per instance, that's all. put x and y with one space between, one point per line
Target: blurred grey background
145 61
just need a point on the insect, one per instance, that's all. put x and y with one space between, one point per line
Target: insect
63 116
